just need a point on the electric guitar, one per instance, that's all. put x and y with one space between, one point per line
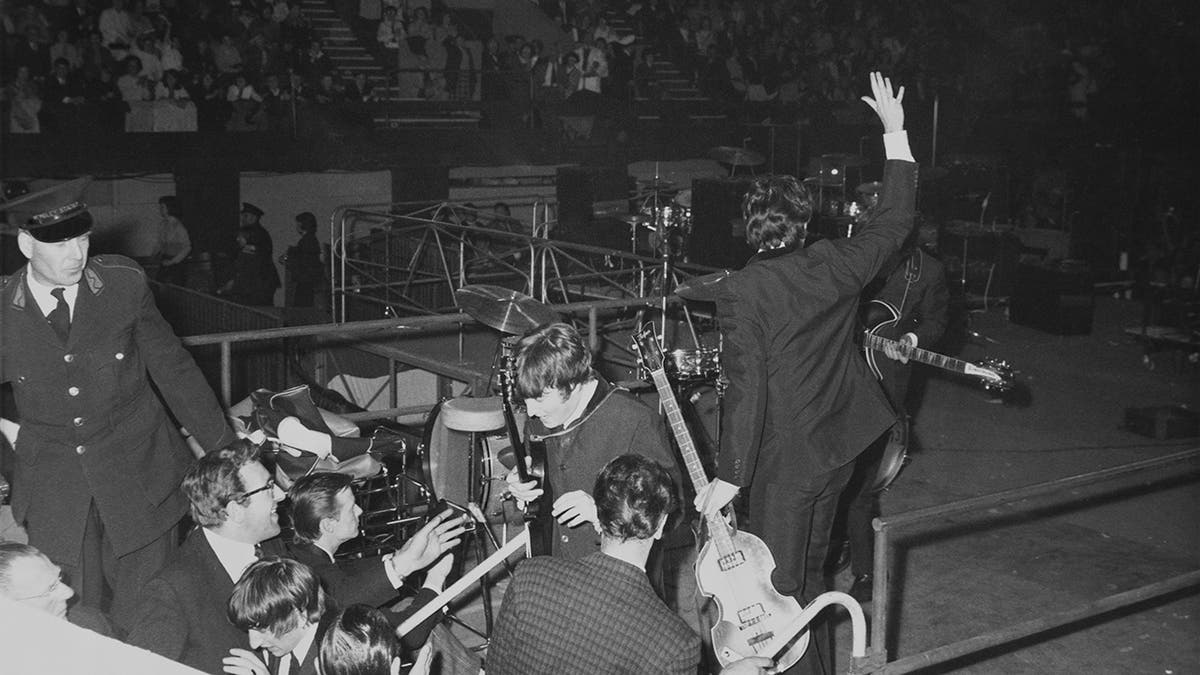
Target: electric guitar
880 319
530 458
733 567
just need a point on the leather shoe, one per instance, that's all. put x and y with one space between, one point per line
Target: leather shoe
863 588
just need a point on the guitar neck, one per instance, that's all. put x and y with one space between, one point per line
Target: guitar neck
878 343
687 448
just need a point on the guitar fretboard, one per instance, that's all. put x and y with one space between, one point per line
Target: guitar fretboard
878 343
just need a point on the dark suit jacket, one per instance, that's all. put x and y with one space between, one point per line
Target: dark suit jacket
350 582
91 425
800 400
309 665
182 611
593 615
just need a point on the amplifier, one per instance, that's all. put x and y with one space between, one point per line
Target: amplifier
1057 299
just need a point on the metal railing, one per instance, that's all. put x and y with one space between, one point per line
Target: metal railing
409 259
876 660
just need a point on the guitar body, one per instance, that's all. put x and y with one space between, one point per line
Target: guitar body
882 319
752 612
733 568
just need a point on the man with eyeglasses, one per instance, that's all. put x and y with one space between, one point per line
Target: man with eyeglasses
29 577
182 611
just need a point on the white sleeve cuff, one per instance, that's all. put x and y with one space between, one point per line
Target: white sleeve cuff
895 146
393 576
914 338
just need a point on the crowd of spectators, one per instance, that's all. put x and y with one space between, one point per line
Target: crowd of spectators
239 65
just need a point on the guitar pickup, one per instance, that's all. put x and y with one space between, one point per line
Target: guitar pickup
759 639
748 616
731 560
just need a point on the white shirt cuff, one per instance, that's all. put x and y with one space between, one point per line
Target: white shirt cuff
895 145
393 576
914 338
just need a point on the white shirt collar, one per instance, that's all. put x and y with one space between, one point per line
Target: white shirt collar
46 301
305 643
235 556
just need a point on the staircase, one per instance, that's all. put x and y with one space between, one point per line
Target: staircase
677 87
348 54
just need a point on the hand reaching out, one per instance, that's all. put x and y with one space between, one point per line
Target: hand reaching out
439 535
888 106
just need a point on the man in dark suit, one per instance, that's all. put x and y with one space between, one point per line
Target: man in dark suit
98 460
282 607
182 611
907 302
801 404
325 516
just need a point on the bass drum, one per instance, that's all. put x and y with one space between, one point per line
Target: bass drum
894 457
447 458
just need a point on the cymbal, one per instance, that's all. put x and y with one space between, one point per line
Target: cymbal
504 309
736 156
843 159
656 184
684 198
873 187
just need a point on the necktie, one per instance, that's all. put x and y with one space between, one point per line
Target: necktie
60 316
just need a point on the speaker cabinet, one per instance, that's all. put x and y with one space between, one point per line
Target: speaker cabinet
1057 299
718 236
580 188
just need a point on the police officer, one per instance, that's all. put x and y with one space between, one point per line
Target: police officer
98 459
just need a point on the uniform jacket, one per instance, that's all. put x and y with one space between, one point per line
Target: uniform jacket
91 425
181 612
800 400
593 615
614 423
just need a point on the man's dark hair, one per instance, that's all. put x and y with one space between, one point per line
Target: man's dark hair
313 499
552 356
307 221
633 494
213 481
777 210
274 594
359 641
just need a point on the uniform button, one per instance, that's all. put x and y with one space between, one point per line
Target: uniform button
73 391
69 358
78 421
565 538
120 356
79 449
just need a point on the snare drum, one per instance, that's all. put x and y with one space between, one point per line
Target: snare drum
694 365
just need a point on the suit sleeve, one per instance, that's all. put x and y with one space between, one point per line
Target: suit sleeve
859 258
178 378
415 638
745 365
362 581
160 625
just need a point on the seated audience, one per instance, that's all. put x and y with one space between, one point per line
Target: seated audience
325 516
27 576
280 605
182 610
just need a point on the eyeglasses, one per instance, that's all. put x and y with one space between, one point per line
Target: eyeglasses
246 495
53 587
